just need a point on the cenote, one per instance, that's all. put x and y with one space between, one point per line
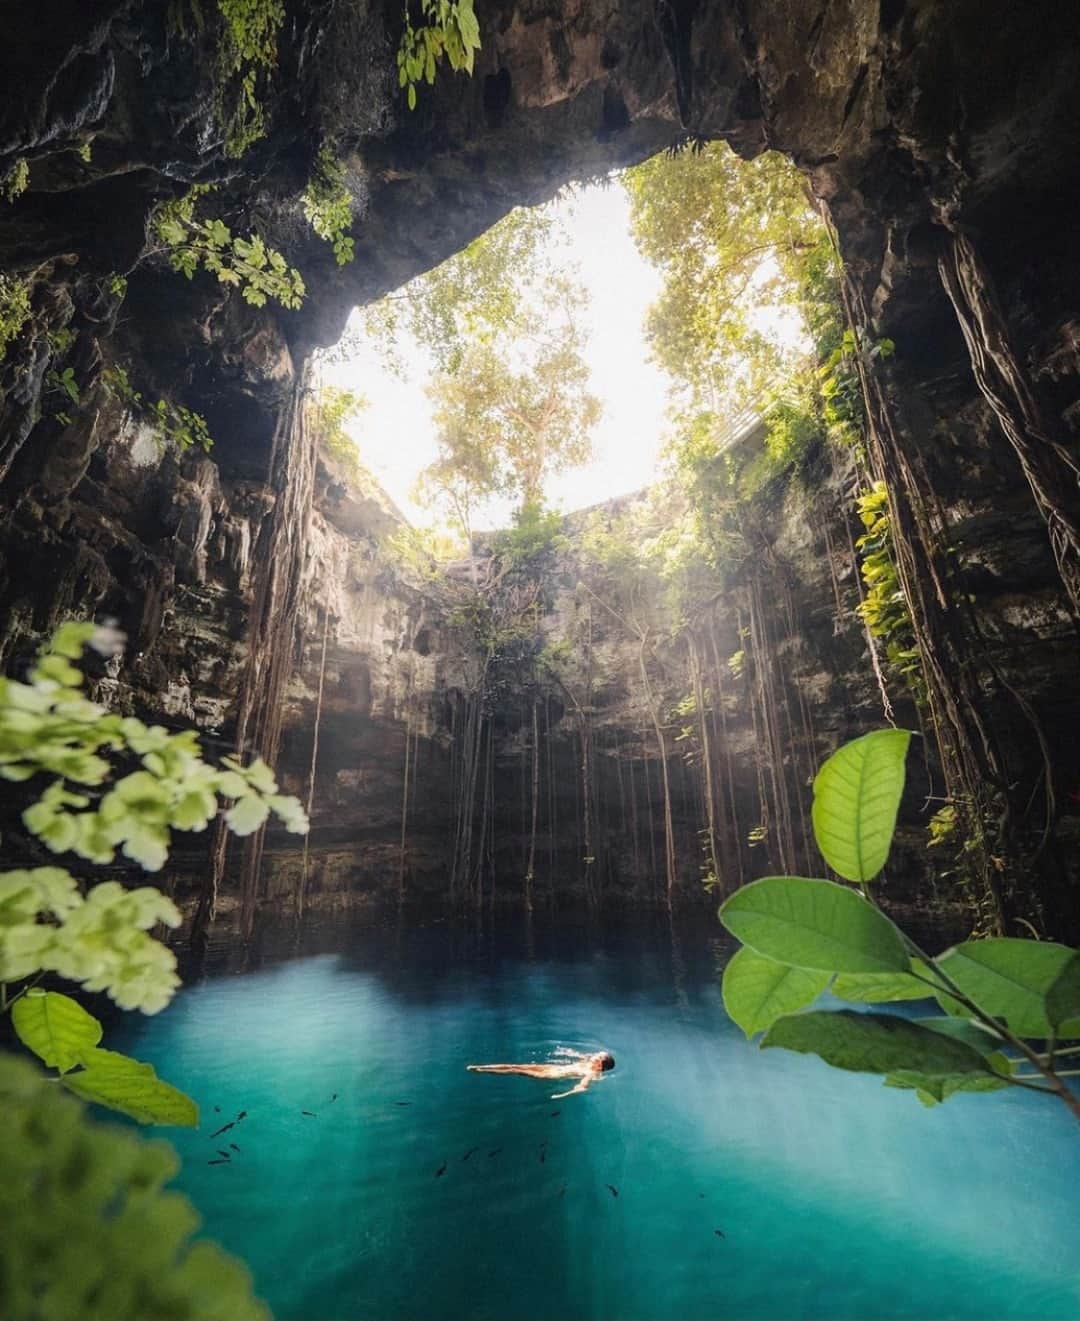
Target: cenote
530 531
749 1183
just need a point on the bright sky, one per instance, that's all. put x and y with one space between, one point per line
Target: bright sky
395 435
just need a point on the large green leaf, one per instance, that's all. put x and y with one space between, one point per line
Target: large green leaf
1063 1000
814 924
873 1043
932 1089
757 990
133 1088
56 1028
966 1030
882 987
856 798
1006 977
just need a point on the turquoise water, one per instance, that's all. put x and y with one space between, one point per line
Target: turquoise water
836 1197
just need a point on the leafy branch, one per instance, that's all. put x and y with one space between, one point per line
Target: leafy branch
802 937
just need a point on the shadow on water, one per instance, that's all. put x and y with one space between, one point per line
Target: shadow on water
373 1177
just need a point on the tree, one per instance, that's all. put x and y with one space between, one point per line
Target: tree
503 428
480 294
732 239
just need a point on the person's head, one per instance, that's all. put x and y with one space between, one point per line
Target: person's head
605 1059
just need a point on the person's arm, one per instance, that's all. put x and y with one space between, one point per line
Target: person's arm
583 1086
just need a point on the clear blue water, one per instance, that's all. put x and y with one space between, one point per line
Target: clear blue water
836 1197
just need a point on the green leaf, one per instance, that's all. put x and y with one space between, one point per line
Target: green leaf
133 1088
966 1030
1007 978
814 924
874 1043
856 798
932 1089
757 991
247 815
1063 1000
56 1028
881 988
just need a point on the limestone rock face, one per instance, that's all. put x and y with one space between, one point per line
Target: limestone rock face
915 122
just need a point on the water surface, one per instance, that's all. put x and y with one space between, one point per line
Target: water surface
747 1183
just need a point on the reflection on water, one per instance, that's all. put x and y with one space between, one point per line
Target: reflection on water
702 1178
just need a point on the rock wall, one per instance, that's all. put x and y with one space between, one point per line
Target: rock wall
942 141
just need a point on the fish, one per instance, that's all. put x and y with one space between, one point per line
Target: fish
543 1152
217 1109
234 1146
719 1233
224 1153
702 1196
310 1114
554 1113
495 1152
470 1152
241 1115
332 1099
562 1191
217 1162
403 1103
441 1170
223 1129
612 1189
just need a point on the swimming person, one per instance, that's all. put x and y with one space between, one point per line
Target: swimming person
587 1068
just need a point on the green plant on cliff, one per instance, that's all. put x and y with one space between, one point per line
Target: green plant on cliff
1008 1004
448 29
16 181
14 309
248 264
327 204
884 608
333 408
172 423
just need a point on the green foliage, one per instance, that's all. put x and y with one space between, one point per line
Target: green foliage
62 1034
998 993
941 825
259 272
246 53
90 1231
14 309
173 423
875 1043
334 409
884 608
55 1027
814 924
449 29
328 204
16 181
116 285
533 538
757 990
861 784
1010 979
729 238
63 383
47 727
120 1083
